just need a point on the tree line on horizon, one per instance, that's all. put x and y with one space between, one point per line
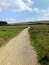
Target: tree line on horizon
3 23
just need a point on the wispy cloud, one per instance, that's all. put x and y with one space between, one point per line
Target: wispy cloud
10 20
22 6
4 4
43 15
16 5
43 10
36 10
12 10
30 2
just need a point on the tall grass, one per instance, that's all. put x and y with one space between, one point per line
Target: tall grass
7 32
40 36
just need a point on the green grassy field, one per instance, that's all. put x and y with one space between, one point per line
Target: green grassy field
7 32
39 36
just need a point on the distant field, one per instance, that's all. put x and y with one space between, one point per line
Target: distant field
7 32
39 36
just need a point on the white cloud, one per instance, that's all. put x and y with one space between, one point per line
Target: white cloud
22 6
12 19
15 20
26 19
36 10
43 15
16 5
4 4
30 2
46 13
9 20
43 10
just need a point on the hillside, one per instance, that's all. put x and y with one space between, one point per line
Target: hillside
32 22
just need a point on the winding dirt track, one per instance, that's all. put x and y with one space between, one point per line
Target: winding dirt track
18 51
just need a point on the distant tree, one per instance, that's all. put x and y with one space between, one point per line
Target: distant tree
3 23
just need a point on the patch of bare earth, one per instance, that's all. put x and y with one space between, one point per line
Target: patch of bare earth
18 51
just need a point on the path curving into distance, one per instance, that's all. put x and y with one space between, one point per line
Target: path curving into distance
18 51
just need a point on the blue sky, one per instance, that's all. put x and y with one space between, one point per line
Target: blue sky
14 11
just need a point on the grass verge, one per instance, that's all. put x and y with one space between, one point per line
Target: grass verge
39 34
7 32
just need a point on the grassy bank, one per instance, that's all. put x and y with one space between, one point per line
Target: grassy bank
7 32
39 34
